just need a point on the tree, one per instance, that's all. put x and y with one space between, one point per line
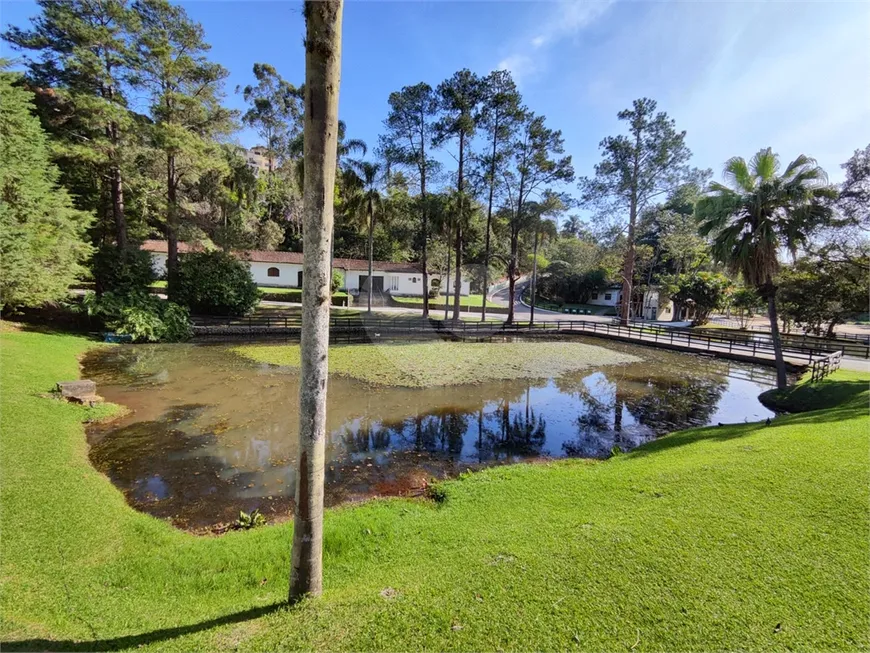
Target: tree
636 168
755 213
573 226
500 111
538 161
322 79
410 128
84 56
704 292
185 90
818 295
459 100
365 201
275 112
746 302
847 239
41 234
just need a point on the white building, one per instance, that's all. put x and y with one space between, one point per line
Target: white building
609 296
284 270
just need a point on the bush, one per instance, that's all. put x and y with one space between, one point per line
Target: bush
143 316
337 280
122 271
215 283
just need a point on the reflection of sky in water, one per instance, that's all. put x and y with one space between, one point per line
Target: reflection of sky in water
210 431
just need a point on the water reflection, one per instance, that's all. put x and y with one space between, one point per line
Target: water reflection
211 433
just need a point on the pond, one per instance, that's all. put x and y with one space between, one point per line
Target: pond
209 432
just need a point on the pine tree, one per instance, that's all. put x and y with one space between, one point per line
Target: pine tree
186 90
41 234
80 72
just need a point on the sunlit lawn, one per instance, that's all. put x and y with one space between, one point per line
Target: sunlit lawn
742 537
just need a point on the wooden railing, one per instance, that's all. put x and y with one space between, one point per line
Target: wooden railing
374 328
822 367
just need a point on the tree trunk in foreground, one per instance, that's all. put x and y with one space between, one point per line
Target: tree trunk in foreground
534 283
322 79
371 253
781 379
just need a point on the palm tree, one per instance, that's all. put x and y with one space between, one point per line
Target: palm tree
365 202
755 213
322 77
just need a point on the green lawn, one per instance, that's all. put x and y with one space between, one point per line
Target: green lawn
739 537
469 300
592 309
423 365
270 290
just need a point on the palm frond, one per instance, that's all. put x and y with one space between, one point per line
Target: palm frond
765 164
737 174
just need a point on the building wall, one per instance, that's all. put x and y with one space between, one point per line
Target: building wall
397 283
600 299
288 274
655 309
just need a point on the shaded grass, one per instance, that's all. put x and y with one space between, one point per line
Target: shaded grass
739 537
846 389
423 365
438 302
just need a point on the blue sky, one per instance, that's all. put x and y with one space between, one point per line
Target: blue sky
736 76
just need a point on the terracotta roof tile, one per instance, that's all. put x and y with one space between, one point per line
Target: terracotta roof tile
257 256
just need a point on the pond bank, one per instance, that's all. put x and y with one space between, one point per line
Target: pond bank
759 535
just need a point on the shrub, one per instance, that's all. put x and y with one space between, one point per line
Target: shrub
337 280
215 283
143 316
122 271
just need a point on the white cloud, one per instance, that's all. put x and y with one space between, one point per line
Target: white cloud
564 19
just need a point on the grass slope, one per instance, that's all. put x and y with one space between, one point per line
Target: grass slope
438 302
741 537
423 365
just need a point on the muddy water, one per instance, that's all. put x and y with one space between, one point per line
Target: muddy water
210 433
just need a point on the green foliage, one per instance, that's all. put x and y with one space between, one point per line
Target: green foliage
747 303
702 292
42 250
122 271
818 296
246 521
144 316
562 285
758 211
80 50
337 280
215 283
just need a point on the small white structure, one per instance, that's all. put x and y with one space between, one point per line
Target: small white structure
656 307
609 296
284 270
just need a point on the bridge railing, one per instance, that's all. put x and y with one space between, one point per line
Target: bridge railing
401 326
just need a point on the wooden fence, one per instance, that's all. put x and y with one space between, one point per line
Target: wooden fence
822 367
373 328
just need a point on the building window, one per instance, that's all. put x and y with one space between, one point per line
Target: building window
608 296
273 272
413 279
394 283
595 295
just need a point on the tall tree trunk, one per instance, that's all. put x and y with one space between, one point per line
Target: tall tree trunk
449 267
534 281
117 192
425 206
460 187
512 274
627 273
487 245
628 263
781 378
457 293
171 227
371 253
678 309
322 80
